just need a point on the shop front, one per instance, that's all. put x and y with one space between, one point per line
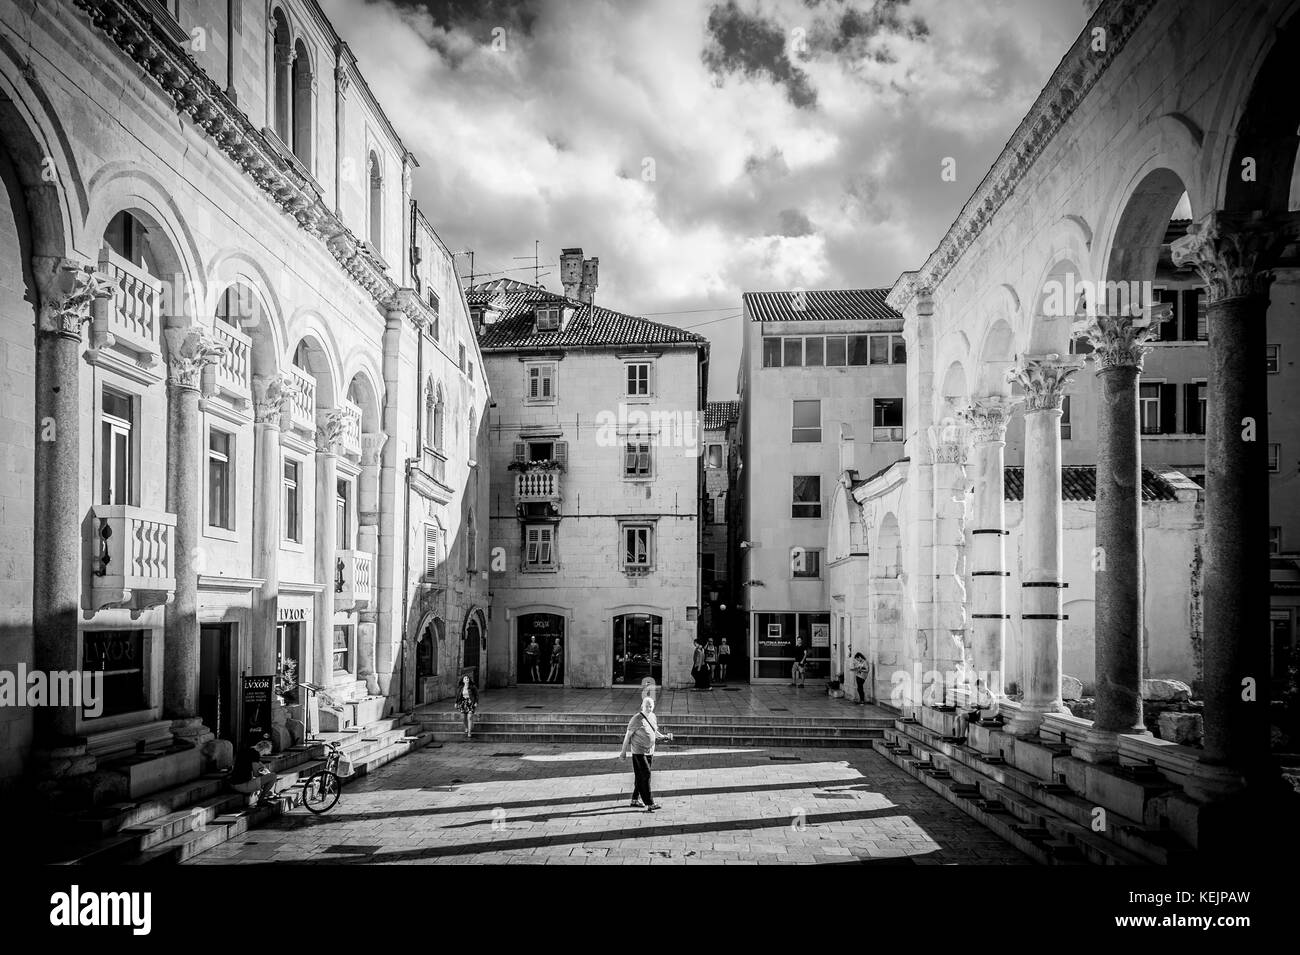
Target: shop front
774 638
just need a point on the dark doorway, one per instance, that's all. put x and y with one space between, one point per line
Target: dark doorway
217 679
638 648
473 649
426 662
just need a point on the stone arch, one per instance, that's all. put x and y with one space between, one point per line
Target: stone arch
309 354
258 316
1140 225
953 392
887 554
363 393
996 356
1052 311
308 326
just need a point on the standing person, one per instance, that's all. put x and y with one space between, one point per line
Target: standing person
699 669
532 659
711 658
642 735
557 663
467 702
724 656
800 661
860 668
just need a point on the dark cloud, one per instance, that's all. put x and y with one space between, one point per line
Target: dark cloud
793 223
473 15
754 46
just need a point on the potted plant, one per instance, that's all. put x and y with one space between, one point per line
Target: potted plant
286 680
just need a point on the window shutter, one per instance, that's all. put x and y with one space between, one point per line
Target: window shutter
1189 314
1192 409
561 453
430 550
643 462
521 452
1168 409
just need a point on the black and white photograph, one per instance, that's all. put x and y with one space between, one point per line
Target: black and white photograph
517 433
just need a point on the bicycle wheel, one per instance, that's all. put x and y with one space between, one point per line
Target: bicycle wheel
321 791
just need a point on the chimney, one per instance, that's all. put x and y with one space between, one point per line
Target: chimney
590 271
571 271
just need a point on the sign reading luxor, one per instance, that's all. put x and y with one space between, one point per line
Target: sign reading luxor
80 688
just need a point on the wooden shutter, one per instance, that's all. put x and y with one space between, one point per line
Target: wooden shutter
1168 408
521 452
430 550
561 453
1192 409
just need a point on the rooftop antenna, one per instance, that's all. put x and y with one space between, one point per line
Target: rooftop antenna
536 261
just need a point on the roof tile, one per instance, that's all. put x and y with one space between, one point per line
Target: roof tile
820 306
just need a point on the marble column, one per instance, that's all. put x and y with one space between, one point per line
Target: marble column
1043 378
1233 253
330 425
271 395
70 293
987 418
189 350
368 541
1119 345
948 448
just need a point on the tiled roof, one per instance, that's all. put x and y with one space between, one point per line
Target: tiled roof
1079 483
719 414
819 306
590 326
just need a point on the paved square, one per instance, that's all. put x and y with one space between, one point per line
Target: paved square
550 804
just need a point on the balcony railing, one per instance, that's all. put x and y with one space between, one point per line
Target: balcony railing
232 369
434 464
352 430
302 406
532 486
132 557
135 314
352 587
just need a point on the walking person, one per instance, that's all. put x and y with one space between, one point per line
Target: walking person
557 663
800 662
467 702
641 736
724 655
532 659
711 659
860 668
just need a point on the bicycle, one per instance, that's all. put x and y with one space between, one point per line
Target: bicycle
322 790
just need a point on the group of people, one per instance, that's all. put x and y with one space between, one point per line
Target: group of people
555 661
710 662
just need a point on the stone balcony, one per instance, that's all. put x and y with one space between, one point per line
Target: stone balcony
302 404
126 332
352 579
537 486
132 558
232 374
351 446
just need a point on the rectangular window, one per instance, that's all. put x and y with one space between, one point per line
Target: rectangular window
117 423
771 352
813 351
793 348
1065 418
119 656
220 454
1195 328
1274 540
288 641
548 319
837 353
539 549
638 540
1275 458
859 349
1149 407
636 459
343 515
1272 354
713 456
432 551
805 564
887 419
638 379
720 509
460 360
342 648
541 383
806 500
807 421
1169 327
879 349
292 502
1194 407
897 349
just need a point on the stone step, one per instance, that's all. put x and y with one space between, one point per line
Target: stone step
674 719
618 729
606 740
177 823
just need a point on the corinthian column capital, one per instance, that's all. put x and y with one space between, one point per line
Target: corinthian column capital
1234 252
1044 378
189 351
68 288
371 445
1121 340
331 425
987 417
271 396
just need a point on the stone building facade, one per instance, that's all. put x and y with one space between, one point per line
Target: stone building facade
719 615
594 452
232 323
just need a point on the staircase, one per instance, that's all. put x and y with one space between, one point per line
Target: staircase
608 729
176 824
1046 821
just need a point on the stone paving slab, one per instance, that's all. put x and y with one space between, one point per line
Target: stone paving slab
566 805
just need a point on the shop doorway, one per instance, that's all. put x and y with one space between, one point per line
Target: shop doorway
426 663
638 650
217 665
542 648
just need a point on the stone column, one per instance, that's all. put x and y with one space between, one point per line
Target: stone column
948 449
1043 378
282 92
329 435
987 419
391 589
271 394
189 350
1233 253
1120 345
69 292
368 541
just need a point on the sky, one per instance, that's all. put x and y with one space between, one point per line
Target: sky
703 149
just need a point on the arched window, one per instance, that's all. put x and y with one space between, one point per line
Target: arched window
282 78
472 437
303 88
471 542
376 205
433 415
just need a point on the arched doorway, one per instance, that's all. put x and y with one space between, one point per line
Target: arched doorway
540 641
426 662
638 650
474 658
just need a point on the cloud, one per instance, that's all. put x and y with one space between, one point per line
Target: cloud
693 175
